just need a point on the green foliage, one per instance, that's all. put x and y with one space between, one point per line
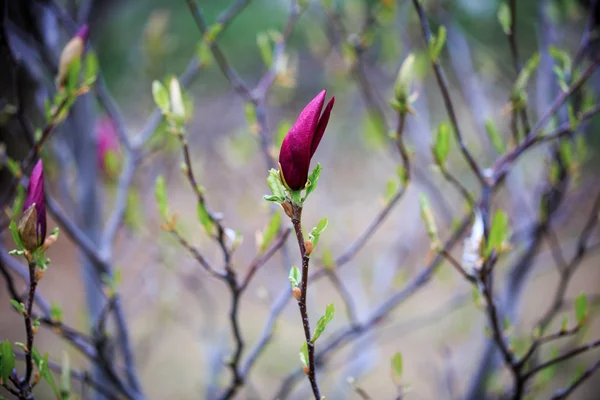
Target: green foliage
494 136
20 307
45 373
315 234
65 377
56 312
270 231
213 32
7 360
14 230
203 53
441 147
90 70
277 188
581 308
527 72
204 218
265 47
436 44
160 192
429 220
323 321
397 367
294 276
504 17
73 72
313 179
304 354
498 232
161 97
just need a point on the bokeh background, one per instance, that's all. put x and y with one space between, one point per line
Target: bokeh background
177 313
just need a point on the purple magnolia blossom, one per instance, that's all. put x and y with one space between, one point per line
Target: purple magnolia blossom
83 33
107 141
302 141
35 198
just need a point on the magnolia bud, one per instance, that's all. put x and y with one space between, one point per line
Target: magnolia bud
297 292
287 207
28 229
177 106
72 51
308 245
50 240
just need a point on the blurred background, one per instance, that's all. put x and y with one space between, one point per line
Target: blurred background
177 313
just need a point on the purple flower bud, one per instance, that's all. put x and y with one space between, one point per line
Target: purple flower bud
302 141
107 142
72 50
83 33
35 199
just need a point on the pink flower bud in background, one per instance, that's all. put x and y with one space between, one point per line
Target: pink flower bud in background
107 143
32 226
73 50
302 141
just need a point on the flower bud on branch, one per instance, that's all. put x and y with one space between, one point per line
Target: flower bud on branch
71 52
32 225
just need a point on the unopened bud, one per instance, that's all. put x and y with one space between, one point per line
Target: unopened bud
287 207
177 106
308 245
50 240
28 229
39 274
72 51
297 292
403 84
36 378
306 369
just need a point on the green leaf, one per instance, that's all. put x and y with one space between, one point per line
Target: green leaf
263 41
545 375
403 175
20 307
203 53
65 377
304 354
566 152
47 375
204 218
527 71
277 188
315 234
429 220
19 200
504 17
56 312
13 167
8 361
14 230
390 189
213 32
73 71
564 324
161 97
498 232
270 231
91 68
313 179
294 276
581 308
323 321
441 148
494 136
160 192
397 367
436 43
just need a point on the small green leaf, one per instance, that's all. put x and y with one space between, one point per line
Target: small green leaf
204 218
564 324
526 73
504 17
65 377
56 312
19 200
304 354
494 136
566 152
270 231
8 361
403 175
581 308
441 148
323 321
277 188
20 307
13 167
203 53
545 376
390 189
294 276
14 230
271 198
436 43
91 68
498 232
161 97
313 179
263 41
160 192
47 374
429 220
213 32
397 367
315 234
73 71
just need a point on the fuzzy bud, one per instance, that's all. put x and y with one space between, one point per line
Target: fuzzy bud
32 224
287 207
72 51
28 230
306 369
308 245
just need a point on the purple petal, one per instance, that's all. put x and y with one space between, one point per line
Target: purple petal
35 194
323 121
83 33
